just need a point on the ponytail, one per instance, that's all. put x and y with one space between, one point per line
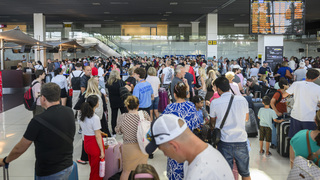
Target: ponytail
317 138
87 107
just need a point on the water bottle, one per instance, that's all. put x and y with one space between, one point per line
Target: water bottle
102 168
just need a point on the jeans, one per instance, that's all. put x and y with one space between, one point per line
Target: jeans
238 151
274 135
62 175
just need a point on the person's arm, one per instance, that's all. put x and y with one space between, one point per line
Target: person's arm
203 87
292 156
278 121
162 77
99 141
247 117
213 121
272 103
83 89
285 94
17 151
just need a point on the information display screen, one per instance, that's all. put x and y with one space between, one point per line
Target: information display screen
277 17
274 55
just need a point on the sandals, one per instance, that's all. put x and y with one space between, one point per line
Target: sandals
269 154
261 152
82 162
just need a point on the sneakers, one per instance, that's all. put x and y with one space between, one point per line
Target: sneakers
82 162
269 154
150 156
261 152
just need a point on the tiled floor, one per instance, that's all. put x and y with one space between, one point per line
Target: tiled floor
14 122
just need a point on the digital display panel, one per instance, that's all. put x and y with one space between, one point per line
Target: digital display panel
277 17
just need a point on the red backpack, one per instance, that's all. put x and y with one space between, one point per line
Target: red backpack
28 99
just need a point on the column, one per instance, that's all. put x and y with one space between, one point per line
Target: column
270 49
212 35
195 29
39 26
67 30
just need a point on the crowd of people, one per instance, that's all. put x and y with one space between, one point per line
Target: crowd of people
218 92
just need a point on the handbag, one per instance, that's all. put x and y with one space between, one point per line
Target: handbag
288 74
81 100
305 168
216 132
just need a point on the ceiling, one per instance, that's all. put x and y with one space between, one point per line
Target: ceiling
126 11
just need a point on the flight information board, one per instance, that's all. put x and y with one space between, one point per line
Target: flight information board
277 17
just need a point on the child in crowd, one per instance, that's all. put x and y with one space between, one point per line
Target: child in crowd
266 115
202 113
145 172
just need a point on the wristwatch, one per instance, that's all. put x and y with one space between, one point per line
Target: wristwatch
4 160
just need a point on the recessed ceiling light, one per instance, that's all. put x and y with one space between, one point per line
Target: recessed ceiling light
108 20
106 12
173 3
118 3
96 4
168 12
163 19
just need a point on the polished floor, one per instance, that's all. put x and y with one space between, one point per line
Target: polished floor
14 122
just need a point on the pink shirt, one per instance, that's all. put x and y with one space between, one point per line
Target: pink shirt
215 96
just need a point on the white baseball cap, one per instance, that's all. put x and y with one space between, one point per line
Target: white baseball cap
164 129
237 67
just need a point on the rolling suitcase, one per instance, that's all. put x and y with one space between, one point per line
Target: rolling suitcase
256 108
113 157
283 139
163 99
74 173
251 125
6 172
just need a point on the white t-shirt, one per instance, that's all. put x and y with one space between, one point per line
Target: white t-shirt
254 72
235 88
292 65
234 126
209 164
89 125
155 82
168 75
38 67
306 96
100 73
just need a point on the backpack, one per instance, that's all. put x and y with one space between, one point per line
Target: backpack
28 99
143 128
75 82
272 93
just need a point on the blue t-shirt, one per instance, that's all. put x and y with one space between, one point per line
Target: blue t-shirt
300 146
266 117
143 92
282 71
200 114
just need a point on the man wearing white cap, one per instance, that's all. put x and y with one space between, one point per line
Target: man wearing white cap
300 73
201 161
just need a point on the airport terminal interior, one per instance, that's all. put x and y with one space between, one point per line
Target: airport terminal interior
255 31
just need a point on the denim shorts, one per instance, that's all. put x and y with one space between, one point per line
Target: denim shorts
154 103
239 152
296 126
63 175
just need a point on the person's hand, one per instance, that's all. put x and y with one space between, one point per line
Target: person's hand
279 114
128 87
1 162
207 103
102 155
282 120
185 81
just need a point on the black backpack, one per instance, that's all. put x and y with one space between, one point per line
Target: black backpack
28 99
75 82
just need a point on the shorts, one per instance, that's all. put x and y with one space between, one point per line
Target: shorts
265 134
237 151
154 103
296 126
63 93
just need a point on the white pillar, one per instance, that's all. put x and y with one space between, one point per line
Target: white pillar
195 29
39 24
212 35
270 41
2 54
67 29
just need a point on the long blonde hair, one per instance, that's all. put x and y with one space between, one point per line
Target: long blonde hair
92 88
202 72
211 77
114 76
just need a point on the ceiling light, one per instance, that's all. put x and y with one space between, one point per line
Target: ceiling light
163 19
96 4
118 3
106 12
166 15
168 12
173 3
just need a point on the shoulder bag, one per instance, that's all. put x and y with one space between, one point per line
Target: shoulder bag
305 168
216 132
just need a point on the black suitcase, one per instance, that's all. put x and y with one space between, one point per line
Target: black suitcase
251 125
256 108
283 139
